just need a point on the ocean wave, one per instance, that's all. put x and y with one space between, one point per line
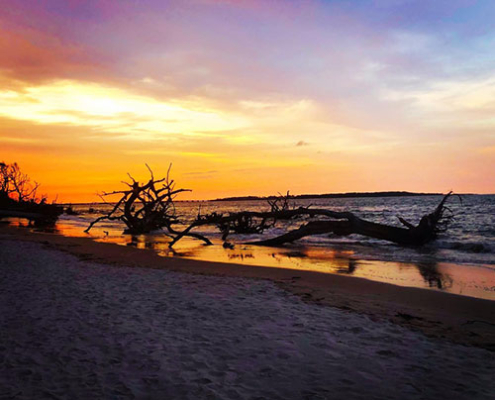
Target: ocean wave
469 247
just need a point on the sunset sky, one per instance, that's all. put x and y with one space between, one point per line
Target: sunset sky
250 97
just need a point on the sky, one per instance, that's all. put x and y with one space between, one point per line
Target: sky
249 97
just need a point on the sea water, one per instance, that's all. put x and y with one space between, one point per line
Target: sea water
461 260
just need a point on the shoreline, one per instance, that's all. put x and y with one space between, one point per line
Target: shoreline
457 318
74 328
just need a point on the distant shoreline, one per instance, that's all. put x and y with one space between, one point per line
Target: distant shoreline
348 195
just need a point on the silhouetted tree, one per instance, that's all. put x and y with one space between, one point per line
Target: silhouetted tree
19 197
146 207
150 206
322 221
18 185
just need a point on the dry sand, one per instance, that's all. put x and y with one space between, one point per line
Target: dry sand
81 329
458 318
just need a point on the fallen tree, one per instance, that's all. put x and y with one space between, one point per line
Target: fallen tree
346 223
143 208
245 222
322 221
147 207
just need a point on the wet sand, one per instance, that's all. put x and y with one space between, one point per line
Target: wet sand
461 319
420 268
79 320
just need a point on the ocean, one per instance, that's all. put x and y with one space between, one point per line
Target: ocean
461 260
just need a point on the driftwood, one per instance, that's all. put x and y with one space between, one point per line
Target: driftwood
347 223
338 223
147 207
143 208
245 222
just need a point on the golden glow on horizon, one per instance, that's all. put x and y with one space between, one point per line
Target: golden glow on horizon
98 133
249 99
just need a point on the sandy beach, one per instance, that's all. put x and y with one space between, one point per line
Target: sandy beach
219 199
74 326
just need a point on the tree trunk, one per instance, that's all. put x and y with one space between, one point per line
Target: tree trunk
424 232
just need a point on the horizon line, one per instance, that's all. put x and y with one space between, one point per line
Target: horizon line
304 196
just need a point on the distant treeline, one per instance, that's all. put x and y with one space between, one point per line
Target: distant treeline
332 196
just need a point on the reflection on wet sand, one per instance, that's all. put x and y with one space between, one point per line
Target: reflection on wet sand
435 279
431 274
47 227
351 267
